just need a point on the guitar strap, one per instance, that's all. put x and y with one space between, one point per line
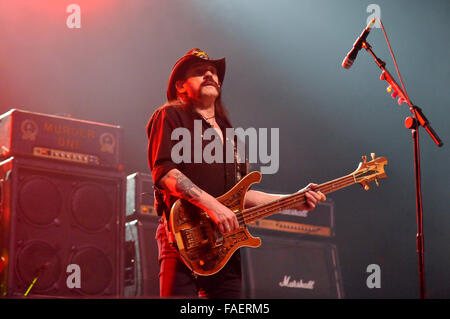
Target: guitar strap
241 167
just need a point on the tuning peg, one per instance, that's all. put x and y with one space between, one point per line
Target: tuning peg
366 187
372 155
376 182
364 158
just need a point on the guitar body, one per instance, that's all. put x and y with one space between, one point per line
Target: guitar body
202 247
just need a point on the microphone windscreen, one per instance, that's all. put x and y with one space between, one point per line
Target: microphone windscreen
347 63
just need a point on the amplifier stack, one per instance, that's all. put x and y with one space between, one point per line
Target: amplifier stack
61 209
141 250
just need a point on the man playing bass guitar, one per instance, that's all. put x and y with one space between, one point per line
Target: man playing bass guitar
194 94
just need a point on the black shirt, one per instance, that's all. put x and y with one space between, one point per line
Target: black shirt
215 178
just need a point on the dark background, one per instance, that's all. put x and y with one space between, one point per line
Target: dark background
283 71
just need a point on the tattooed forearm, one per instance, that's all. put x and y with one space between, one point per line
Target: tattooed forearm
186 188
181 186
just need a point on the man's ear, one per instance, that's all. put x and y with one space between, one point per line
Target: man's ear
179 85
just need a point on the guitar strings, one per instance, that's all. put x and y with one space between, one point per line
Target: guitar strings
258 212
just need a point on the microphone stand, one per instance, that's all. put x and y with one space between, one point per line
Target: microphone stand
412 123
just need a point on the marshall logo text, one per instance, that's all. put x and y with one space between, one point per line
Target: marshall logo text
287 282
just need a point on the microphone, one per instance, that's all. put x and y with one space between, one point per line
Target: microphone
351 56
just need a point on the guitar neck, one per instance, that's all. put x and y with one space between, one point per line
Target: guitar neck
294 200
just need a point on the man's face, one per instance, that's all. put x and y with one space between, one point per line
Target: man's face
200 80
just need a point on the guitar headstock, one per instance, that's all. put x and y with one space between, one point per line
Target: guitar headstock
370 171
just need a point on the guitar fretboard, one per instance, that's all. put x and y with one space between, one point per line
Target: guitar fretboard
295 200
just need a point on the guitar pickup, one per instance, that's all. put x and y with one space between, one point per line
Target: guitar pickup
193 237
189 238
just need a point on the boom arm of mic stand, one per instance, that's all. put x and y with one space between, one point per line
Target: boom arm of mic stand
415 110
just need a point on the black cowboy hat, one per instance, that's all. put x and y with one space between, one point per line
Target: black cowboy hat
193 55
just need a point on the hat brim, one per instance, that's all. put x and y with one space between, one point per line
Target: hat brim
180 67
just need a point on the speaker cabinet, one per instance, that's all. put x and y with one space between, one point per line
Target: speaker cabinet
291 268
55 215
141 263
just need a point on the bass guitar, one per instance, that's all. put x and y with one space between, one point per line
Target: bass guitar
205 250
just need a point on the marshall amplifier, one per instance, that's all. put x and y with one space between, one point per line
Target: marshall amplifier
319 222
60 138
290 269
140 198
